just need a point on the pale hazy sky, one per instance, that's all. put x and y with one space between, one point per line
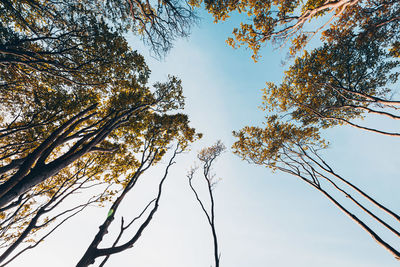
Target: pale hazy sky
263 218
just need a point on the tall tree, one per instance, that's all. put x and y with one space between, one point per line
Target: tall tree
117 132
155 139
343 80
207 157
296 150
149 156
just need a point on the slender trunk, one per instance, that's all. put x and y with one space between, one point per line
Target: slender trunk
324 166
216 253
376 237
388 211
214 233
363 207
93 251
329 170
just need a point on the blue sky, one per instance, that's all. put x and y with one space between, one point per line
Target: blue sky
263 218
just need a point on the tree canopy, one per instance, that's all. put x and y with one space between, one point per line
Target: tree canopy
283 21
78 115
335 84
108 126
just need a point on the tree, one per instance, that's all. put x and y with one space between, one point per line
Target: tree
74 98
207 156
125 139
329 86
337 83
294 150
54 130
155 141
283 21
348 77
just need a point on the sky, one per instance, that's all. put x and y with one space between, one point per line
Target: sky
262 218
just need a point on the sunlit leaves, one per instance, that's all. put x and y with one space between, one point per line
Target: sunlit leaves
289 21
320 87
270 20
264 145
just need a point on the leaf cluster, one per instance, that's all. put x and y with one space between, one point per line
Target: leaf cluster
289 21
325 87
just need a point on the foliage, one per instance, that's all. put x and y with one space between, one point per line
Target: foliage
283 21
64 27
51 124
46 46
76 111
335 84
264 146
351 75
